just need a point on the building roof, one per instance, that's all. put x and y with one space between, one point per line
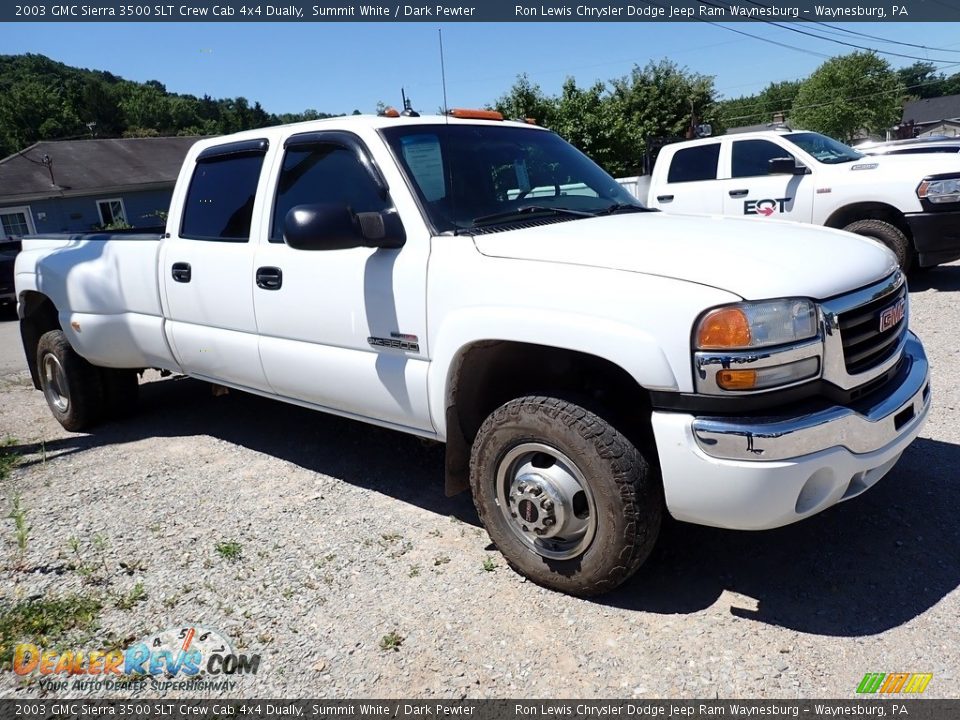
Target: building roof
932 110
87 167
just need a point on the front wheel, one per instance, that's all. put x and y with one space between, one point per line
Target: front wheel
567 499
890 235
70 384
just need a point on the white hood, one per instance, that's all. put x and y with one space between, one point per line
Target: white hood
752 259
903 168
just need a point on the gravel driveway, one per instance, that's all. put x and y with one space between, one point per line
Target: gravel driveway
313 540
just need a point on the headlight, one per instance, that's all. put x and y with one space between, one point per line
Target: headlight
745 326
946 190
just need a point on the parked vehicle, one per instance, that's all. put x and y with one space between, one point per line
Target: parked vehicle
909 203
914 146
588 363
8 253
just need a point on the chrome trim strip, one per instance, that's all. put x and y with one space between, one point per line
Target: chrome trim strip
782 438
708 363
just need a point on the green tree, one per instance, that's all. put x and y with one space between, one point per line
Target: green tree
659 101
921 80
526 100
849 95
760 108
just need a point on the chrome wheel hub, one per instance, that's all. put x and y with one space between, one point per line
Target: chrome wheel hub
55 386
546 500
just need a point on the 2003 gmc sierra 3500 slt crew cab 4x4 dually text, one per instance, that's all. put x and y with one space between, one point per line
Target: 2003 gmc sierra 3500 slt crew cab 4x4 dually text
588 363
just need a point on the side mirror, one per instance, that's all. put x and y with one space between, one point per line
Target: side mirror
337 227
785 166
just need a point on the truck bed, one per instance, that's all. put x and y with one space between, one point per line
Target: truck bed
106 286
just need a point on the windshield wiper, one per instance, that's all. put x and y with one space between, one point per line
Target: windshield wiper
527 209
624 207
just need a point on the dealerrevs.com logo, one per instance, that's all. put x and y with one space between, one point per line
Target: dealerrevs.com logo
183 658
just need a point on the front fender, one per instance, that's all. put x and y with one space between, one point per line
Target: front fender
624 345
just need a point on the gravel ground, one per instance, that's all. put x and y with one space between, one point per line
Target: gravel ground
345 536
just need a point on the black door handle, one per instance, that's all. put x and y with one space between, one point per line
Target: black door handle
181 272
738 193
664 198
269 278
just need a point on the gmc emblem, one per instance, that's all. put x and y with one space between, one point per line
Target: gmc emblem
892 315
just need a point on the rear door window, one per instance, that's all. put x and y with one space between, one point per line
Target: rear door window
695 163
220 199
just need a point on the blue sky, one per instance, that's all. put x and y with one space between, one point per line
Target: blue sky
336 67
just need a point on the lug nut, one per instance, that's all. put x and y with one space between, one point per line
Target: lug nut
548 521
513 514
526 529
547 505
537 490
522 487
538 531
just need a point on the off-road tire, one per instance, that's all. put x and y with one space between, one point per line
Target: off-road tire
890 235
85 405
626 489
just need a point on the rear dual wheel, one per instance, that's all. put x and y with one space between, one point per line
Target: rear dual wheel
80 394
568 500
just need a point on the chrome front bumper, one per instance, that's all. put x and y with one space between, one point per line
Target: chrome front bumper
781 438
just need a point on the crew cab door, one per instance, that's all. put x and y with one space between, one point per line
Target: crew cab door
206 266
688 184
343 329
752 192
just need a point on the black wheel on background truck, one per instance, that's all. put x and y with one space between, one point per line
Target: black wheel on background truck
72 386
890 235
567 499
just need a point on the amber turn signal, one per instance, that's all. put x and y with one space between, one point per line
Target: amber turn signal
737 379
723 329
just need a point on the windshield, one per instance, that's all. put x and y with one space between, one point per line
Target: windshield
826 150
472 176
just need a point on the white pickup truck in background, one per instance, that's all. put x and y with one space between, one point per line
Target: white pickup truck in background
911 203
588 363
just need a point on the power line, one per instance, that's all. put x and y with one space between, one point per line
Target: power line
820 24
836 100
827 39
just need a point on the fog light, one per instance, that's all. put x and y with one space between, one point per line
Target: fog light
763 378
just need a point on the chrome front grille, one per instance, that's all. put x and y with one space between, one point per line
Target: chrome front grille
865 344
857 348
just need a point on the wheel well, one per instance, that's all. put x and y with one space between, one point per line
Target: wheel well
37 316
869 211
487 374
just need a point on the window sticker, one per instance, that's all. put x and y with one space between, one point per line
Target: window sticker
423 157
523 179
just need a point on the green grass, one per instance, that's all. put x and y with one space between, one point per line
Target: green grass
230 550
21 530
391 641
8 458
488 564
128 601
44 622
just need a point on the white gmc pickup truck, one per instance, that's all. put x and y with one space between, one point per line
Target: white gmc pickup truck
588 363
911 203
